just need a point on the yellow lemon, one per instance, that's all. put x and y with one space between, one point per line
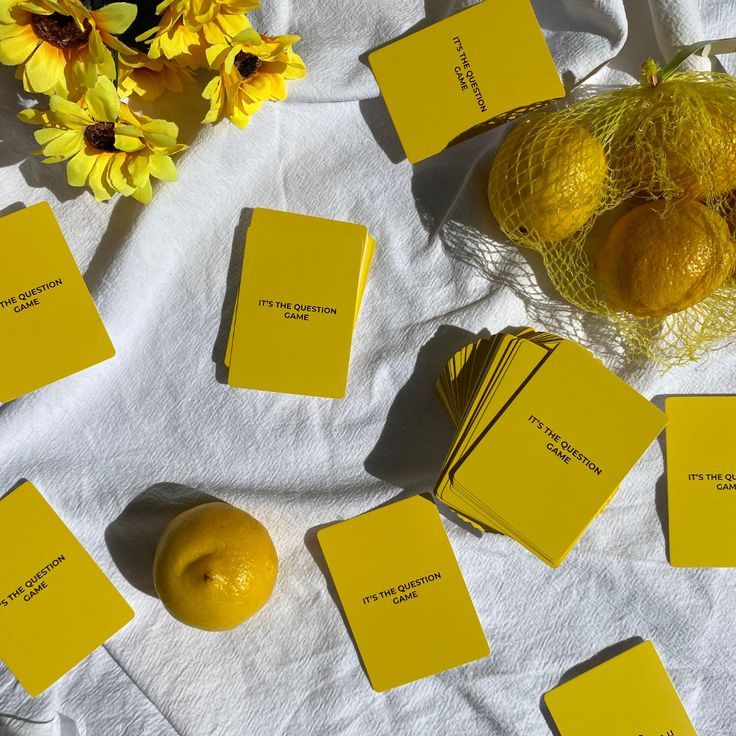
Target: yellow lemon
688 139
215 566
658 261
547 180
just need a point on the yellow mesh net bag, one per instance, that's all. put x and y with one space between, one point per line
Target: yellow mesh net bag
630 198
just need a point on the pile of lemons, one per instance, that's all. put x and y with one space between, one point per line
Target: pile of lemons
661 158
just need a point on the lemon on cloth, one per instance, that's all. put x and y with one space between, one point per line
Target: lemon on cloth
661 258
548 179
214 567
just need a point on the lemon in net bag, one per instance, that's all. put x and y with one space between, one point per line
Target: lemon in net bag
630 198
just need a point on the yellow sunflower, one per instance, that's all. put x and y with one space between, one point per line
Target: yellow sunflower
150 78
108 147
252 69
60 46
187 27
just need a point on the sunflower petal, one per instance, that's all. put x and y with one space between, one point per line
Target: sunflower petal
162 127
17 48
81 72
128 143
79 168
162 167
69 114
46 135
115 17
144 193
65 145
240 118
98 181
117 175
34 116
103 101
44 69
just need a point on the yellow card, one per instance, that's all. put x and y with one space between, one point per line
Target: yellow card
628 695
49 325
403 593
56 605
484 65
300 293
551 460
701 480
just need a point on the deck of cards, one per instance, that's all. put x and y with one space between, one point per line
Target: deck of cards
300 295
545 435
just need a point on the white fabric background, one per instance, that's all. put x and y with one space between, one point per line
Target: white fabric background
117 447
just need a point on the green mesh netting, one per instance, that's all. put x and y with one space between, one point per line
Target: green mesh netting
562 181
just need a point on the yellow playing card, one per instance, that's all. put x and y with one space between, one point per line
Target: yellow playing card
484 65
49 325
628 695
300 294
701 480
56 605
403 593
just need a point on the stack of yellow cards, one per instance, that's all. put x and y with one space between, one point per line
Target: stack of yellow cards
300 294
56 605
545 435
701 480
482 66
49 325
628 695
403 593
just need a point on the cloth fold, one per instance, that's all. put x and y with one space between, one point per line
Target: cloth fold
100 444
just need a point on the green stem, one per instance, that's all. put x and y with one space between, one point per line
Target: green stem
719 46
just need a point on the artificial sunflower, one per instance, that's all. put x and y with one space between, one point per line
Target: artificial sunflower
149 78
108 147
252 69
60 46
188 27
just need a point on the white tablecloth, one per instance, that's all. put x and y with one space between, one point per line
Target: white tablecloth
118 446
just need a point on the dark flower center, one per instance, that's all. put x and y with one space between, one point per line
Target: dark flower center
101 136
60 30
247 64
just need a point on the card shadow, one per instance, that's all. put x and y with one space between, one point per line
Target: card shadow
417 434
579 669
124 213
14 487
132 538
311 542
232 285
14 207
469 234
661 500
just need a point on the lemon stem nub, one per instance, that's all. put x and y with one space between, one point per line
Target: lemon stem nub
650 70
